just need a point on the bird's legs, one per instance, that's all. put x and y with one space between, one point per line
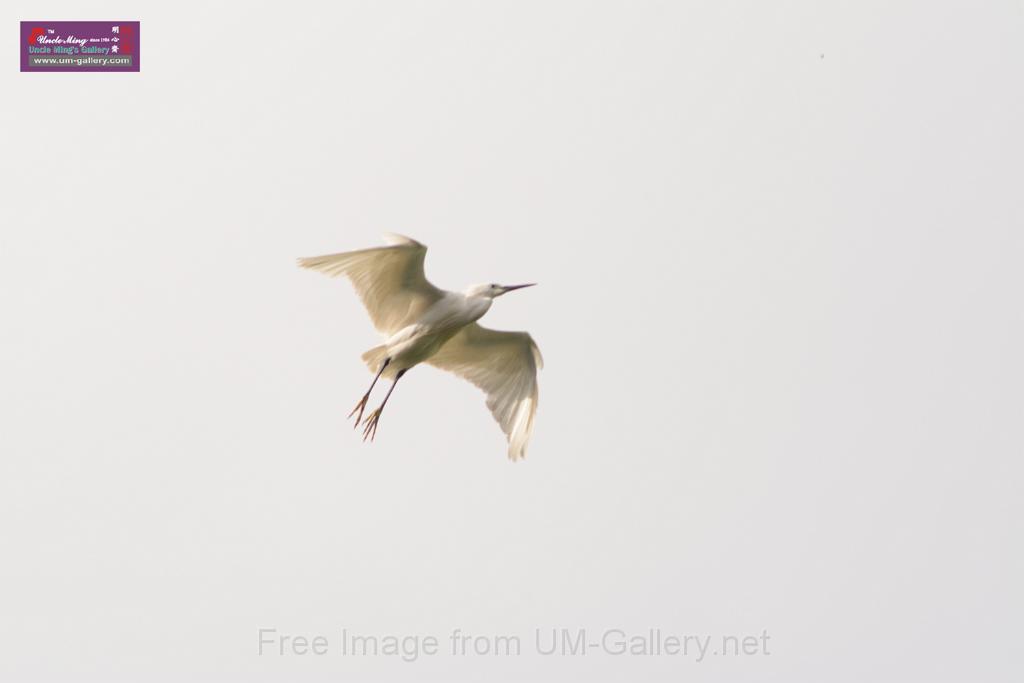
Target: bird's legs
370 425
361 406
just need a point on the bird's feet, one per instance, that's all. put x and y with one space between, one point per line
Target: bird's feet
360 407
370 425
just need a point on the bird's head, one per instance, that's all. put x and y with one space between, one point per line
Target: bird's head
492 290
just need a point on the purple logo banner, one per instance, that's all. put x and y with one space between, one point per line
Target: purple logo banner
79 46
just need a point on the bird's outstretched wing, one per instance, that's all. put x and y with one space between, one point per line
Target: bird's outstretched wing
389 280
504 365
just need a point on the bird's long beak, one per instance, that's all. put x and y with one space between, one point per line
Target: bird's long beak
509 288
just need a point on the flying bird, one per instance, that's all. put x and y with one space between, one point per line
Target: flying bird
421 323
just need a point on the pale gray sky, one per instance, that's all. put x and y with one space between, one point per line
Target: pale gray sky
778 248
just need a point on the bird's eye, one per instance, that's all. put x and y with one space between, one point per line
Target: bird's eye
494 286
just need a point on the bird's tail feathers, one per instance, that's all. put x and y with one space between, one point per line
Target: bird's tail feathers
375 357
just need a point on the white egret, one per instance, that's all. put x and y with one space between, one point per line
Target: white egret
422 323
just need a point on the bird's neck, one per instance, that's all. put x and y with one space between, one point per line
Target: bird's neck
476 306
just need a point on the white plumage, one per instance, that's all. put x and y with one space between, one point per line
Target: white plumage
422 323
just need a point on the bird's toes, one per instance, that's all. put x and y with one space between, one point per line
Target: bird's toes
360 407
370 425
